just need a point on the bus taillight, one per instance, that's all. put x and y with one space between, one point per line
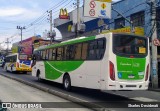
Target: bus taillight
147 73
17 64
112 72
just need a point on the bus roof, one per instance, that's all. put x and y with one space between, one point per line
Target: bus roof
78 40
72 41
12 54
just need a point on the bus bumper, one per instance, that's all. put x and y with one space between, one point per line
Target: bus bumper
128 86
24 69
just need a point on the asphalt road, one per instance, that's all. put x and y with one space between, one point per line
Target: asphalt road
102 98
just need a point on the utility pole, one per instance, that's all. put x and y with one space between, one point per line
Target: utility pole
154 75
7 45
78 19
50 20
21 28
51 24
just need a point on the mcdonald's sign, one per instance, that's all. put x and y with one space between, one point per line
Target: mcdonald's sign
63 14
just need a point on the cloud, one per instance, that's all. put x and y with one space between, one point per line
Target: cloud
6 12
19 14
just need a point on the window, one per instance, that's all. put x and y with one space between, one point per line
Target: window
54 54
91 51
84 51
96 49
70 52
11 58
43 54
78 51
39 57
127 45
101 49
50 54
47 52
138 19
65 53
59 53
119 23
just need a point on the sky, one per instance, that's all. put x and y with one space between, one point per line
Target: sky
31 14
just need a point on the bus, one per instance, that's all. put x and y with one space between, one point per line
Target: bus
105 62
18 63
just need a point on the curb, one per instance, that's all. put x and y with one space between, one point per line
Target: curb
84 103
156 90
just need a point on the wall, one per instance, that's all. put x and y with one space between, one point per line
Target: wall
128 7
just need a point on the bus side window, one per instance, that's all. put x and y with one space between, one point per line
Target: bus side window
59 53
84 51
50 54
92 50
78 51
101 49
54 54
47 54
70 52
43 55
39 55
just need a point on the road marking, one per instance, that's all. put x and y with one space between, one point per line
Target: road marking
143 99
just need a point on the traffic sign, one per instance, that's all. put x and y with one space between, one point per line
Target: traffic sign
92 12
102 8
92 4
156 42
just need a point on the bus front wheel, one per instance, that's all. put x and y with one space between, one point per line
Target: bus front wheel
6 69
67 83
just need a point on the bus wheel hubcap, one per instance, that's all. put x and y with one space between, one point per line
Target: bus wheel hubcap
66 83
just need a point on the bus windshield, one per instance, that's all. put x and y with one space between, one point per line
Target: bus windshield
24 57
130 45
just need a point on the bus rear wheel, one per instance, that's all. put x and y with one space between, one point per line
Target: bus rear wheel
67 83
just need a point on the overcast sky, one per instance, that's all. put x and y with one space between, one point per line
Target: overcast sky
15 13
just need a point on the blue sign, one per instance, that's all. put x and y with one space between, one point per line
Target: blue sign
27 62
103 12
119 75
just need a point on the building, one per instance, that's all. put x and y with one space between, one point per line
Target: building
138 11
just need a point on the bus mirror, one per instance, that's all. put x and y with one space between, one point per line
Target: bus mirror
34 57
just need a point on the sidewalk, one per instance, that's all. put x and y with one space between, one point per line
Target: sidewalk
153 89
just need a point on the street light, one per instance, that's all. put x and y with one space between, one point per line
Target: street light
21 28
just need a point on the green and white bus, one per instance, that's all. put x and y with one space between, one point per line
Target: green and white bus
105 62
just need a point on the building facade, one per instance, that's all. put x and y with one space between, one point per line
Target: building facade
137 11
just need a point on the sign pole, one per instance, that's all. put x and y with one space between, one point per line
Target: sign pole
154 75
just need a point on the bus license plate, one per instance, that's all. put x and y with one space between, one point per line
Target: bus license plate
131 76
